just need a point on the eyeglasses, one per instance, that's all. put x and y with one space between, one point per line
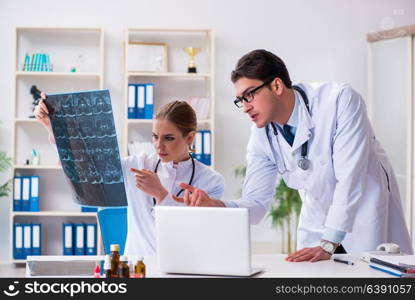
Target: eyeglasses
250 95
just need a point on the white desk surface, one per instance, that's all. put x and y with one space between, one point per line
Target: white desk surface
274 266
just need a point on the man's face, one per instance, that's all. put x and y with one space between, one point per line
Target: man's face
263 104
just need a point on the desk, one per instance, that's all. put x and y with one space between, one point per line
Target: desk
274 266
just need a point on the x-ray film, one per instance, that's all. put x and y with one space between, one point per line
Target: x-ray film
84 130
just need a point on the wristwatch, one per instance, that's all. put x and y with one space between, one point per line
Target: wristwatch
327 246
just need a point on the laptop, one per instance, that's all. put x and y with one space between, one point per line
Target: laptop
203 241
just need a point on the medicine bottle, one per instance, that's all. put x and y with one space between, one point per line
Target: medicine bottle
123 268
115 259
107 267
140 268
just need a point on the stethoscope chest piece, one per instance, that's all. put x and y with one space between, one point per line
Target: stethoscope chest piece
304 163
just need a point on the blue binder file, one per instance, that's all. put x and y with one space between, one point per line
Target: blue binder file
141 98
17 194
34 193
79 239
149 103
199 146
132 100
18 241
25 194
207 147
36 239
68 238
27 240
89 209
91 239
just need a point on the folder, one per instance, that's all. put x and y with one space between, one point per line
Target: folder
27 240
68 237
141 96
91 239
79 239
17 194
198 146
25 194
18 241
89 208
36 239
206 147
132 100
32 63
37 61
149 106
34 193
48 67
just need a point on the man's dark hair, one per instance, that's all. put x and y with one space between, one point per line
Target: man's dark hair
263 65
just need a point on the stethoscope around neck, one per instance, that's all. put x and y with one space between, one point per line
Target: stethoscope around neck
303 163
191 177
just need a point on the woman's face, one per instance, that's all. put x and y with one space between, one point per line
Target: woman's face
169 142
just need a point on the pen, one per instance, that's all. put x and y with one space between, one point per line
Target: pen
390 265
386 270
343 261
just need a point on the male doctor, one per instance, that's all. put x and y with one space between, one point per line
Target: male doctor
319 139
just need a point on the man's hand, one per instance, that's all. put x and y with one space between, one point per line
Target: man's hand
308 254
196 197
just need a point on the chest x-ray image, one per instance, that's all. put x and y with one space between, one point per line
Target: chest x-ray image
84 131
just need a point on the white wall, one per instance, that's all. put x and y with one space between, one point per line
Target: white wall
318 39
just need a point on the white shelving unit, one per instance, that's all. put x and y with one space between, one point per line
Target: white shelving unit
175 83
391 57
82 48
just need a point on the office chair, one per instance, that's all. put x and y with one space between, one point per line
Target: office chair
113 225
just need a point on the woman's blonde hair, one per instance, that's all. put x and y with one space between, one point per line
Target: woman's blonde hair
181 114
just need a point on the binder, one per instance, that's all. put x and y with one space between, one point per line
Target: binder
79 239
32 63
68 238
34 193
206 147
27 240
18 241
48 66
149 106
141 95
89 209
198 146
91 239
132 100
36 239
25 194
37 59
17 194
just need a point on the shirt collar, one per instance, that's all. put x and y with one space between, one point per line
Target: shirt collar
293 120
180 165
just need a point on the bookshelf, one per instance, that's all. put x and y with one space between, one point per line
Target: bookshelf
81 49
175 83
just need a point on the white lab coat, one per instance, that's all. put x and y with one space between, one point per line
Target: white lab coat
140 213
350 186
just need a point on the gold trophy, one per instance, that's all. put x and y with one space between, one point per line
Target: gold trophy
192 51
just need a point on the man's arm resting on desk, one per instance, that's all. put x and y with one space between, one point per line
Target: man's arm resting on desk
196 197
317 253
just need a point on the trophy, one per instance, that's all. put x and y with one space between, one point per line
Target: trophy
192 51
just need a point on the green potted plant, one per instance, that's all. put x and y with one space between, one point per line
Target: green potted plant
5 163
287 205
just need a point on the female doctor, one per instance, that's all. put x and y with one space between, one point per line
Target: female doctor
318 138
154 179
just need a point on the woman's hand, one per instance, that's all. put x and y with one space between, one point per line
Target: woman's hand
150 184
42 112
